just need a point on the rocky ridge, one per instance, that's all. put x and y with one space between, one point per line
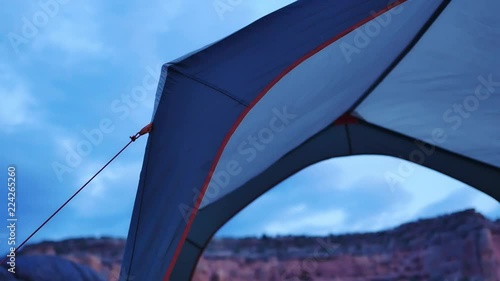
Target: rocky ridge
464 246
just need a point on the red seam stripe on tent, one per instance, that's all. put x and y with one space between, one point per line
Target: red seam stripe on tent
345 119
243 115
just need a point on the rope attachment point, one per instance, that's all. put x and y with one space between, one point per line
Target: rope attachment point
143 131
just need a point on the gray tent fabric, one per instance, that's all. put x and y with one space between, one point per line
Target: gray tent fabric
314 80
309 102
450 81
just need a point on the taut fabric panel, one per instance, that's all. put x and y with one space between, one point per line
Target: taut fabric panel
448 85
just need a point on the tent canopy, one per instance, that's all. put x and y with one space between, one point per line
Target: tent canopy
314 80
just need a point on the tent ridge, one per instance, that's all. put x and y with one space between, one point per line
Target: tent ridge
207 84
403 54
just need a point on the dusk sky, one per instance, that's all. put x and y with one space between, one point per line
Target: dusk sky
67 70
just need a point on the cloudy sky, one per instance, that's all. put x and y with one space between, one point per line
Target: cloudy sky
352 194
67 69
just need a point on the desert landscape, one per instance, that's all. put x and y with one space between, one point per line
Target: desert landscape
463 246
